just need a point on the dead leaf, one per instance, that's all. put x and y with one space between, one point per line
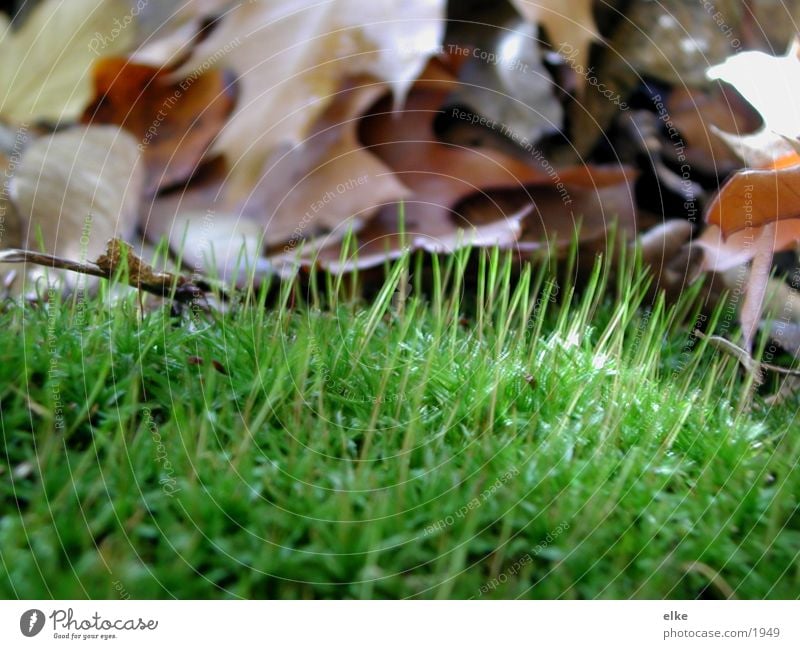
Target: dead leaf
721 254
330 180
291 59
756 197
757 283
227 247
45 64
173 121
441 175
381 240
78 188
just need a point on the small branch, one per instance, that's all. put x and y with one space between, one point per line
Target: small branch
141 276
744 357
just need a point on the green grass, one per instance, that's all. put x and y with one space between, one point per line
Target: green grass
491 441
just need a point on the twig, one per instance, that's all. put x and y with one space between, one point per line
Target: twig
744 357
141 276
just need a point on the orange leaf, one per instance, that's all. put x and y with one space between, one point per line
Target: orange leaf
755 197
175 121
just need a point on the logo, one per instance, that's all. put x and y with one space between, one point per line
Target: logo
31 622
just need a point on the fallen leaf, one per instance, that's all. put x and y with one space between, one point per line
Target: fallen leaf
173 121
291 58
382 239
78 188
757 284
46 63
329 180
756 197
694 112
441 175
226 247
724 253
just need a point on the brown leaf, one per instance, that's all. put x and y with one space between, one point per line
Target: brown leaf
173 121
757 283
756 197
329 181
77 189
291 58
441 175
721 254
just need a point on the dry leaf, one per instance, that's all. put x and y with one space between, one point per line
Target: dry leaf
173 121
290 59
771 84
329 181
694 112
45 64
722 254
77 189
226 247
442 175
757 283
381 240
756 197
